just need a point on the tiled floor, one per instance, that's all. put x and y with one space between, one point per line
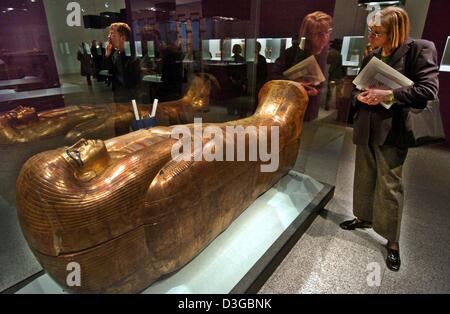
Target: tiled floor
330 260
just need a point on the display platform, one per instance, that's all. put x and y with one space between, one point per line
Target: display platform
40 93
244 256
28 80
445 64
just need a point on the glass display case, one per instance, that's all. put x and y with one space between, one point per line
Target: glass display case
151 49
228 46
352 50
55 97
211 50
271 48
445 64
138 47
250 48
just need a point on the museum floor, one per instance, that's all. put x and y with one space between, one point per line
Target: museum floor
330 260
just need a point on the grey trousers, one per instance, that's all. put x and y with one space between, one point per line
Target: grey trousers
378 190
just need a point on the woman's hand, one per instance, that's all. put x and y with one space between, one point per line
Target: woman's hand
374 97
312 91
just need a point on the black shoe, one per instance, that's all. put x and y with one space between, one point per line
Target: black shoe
393 260
353 224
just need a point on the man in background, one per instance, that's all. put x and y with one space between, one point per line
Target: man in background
123 67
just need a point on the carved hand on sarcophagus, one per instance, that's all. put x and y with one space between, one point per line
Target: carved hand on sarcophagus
126 211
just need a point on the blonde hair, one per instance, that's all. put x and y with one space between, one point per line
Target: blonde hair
396 22
122 28
315 18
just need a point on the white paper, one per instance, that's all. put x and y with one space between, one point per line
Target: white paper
155 107
378 74
135 110
307 70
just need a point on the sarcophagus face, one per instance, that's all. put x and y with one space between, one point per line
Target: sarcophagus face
129 211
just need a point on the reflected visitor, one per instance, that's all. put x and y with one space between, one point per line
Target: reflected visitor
237 54
381 135
261 72
86 62
261 67
237 73
368 50
98 54
150 49
316 28
172 70
124 70
288 58
336 73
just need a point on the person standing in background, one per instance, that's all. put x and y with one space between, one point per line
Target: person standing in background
98 54
124 69
86 63
316 28
336 73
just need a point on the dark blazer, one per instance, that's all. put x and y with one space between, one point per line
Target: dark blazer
417 60
126 75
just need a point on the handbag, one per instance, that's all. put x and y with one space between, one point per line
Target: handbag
424 126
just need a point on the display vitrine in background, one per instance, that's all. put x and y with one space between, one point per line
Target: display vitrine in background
445 64
352 50
211 50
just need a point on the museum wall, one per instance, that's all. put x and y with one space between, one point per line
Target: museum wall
417 10
282 18
25 34
66 39
343 26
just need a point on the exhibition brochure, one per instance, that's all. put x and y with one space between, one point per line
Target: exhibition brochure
380 75
306 71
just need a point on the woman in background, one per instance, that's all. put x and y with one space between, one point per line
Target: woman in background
316 29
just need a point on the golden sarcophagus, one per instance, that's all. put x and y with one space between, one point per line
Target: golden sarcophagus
25 125
128 212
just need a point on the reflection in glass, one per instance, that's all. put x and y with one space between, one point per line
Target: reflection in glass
127 49
352 50
231 52
211 49
445 65
151 49
138 46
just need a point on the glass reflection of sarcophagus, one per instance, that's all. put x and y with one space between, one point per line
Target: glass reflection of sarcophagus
196 100
128 213
25 132
25 125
